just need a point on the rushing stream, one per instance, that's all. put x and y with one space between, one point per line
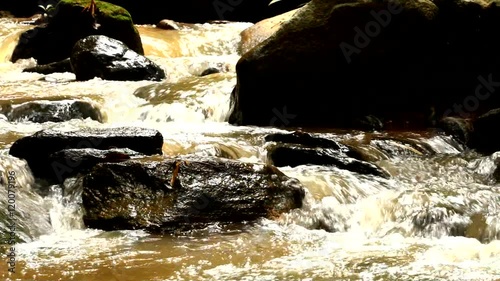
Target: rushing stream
351 227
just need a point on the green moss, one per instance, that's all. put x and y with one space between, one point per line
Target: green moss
104 9
114 21
116 12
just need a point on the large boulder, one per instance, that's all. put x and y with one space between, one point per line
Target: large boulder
110 59
68 24
262 30
407 63
165 195
39 148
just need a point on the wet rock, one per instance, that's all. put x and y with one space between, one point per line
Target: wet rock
210 70
166 195
294 156
110 59
71 162
432 60
53 111
59 66
262 30
393 146
484 138
459 128
168 25
305 139
368 123
37 148
301 149
68 23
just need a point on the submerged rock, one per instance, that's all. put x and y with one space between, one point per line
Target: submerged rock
210 70
168 25
53 111
110 59
68 23
301 149
165 195
459 128
305 139
394 146
38 148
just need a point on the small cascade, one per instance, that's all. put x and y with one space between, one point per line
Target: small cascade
193 99
22 209
194 40
9 35
64 205
438 196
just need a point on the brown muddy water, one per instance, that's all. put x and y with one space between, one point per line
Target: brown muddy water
402 228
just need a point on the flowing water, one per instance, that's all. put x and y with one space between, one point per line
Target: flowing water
436 218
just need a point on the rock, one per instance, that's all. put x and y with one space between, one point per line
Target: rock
301 149
293 156
69 23
60 66
210 70
262 30
394 147
299 137
484 138
323 67
36 149
167 195
53 111
168 25
459 128
368 123
110 59
71 162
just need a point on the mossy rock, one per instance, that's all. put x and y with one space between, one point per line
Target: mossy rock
69 23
